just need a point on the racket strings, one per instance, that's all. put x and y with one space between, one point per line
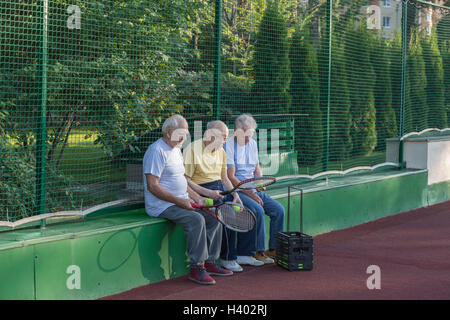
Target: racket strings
242 219
255 184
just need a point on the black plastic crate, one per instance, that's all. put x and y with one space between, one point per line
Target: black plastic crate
306 265
295 254
295 251
293 239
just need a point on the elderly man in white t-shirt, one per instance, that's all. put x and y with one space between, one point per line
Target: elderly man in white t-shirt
167 195
243 164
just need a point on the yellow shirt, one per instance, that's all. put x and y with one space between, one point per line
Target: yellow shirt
202 165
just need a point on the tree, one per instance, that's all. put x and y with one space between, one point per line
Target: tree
445 52
437 115
361 80
115 77
443 30
416 108
386 123
394 53
340 118
271 63
305 92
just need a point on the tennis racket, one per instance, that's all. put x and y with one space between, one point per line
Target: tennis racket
232 215
254 183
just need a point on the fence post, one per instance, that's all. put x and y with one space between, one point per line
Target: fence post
41 103
403 78
217 52
328 68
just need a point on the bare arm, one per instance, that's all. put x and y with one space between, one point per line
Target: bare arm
161 193
228 185
235 181
201 191
195 196
257 173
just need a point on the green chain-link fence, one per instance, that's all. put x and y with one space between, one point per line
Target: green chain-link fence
86 84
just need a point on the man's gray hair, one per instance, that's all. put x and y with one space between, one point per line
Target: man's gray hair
216 124
245 120
174 122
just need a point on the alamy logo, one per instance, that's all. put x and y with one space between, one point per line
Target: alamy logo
74 20
74 280
374 281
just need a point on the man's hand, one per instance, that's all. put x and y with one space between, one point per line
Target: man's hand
254 196
237 199
198 199
215 195
184 203
257 199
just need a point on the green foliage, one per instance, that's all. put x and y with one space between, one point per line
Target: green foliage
445 52
271 63
194 93
305 92
437 115
340 117
117 71
443 28
416 107
18 180
394 53
386 121
361 81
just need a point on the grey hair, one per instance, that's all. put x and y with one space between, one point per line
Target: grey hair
216 124
245 120
173 122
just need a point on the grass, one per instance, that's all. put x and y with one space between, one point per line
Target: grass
85 162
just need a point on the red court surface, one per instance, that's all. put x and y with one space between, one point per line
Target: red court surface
412 250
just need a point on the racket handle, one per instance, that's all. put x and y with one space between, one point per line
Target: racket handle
195 205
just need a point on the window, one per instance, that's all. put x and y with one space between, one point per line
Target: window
387 3
428 17
386 22
428 31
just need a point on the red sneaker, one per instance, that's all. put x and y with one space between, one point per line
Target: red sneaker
198 274
215 269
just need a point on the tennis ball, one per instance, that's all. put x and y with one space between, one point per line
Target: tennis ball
237 208
209 202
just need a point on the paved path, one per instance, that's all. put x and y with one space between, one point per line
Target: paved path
412 250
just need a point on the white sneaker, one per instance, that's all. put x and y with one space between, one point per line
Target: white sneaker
249 261
231 265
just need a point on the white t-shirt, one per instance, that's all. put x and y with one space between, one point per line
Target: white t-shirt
243 158
165 162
